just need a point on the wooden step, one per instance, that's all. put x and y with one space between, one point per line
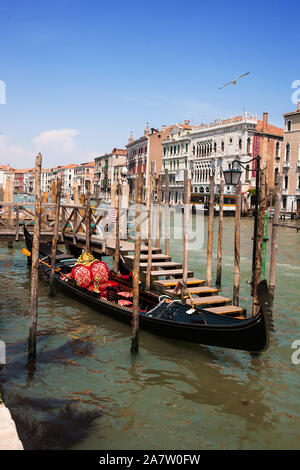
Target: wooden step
172 282
210 300
202 290
154 257
154 250
170 272
166 265
226 310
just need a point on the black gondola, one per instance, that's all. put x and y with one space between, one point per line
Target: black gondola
169 318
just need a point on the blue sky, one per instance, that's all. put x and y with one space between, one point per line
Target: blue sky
80 75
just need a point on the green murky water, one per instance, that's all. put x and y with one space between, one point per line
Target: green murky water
87 393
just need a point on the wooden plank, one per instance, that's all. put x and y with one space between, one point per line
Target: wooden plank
196 290
156 257
154 250
210 300
173 282
226 310
165 265
170 272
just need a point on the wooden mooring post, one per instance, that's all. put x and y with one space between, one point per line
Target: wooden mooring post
159 214
35 262
149 209
220 235
55 237
274 238
136 267
117 199
186 221
259 244
88 218
237 232
210 231
167 214
44 211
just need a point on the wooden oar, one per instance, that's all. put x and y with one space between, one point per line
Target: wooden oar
27 253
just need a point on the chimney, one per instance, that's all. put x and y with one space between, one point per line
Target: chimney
298 106
186 122
130 137
147 130
265 122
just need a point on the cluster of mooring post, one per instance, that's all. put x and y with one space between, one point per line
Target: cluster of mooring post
261 221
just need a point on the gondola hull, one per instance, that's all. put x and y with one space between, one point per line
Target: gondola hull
172 321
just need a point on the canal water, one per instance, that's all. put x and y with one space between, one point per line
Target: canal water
88 393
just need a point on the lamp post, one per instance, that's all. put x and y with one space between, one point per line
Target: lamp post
232 177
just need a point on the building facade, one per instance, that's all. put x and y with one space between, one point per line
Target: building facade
108 170
144 150
213 148
291 162
176 157
84 175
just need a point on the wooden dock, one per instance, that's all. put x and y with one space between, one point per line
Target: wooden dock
164 274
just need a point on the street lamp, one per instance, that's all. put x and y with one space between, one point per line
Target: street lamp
124 171
232 177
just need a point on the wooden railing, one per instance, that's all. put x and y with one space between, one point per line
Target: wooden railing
72 221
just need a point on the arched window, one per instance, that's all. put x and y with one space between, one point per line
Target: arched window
248 145
240 144
276 175
247 173
277 149
287 153
215 146
286 182
222 146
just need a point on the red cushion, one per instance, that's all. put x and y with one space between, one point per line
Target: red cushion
104 285
126 295
100 271
82 275
125 303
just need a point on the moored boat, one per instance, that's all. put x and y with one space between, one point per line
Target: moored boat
160 314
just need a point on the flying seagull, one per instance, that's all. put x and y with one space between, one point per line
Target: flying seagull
234 81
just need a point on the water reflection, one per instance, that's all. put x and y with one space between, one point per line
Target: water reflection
172 395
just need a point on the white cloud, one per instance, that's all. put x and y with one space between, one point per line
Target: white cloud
58 147
13 155
56 142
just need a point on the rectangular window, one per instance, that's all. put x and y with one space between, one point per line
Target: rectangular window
289 125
